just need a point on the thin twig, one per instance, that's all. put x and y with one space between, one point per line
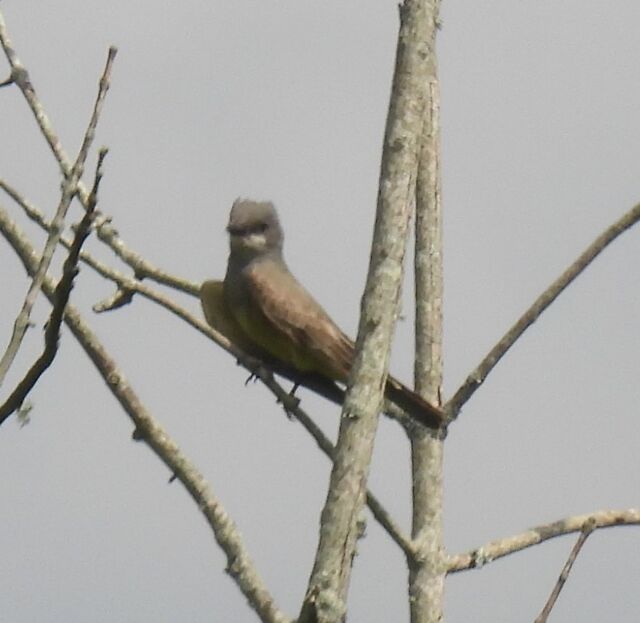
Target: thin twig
60 301
478 376
503 547
20 77
587 529
141 267
240 566
106 233
70 188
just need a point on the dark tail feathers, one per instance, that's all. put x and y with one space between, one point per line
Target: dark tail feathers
418 408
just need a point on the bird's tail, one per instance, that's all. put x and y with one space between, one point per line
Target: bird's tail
418 408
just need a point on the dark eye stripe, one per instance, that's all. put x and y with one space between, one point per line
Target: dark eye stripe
258 228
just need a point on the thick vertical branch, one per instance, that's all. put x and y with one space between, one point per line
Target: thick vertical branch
427 568
339 530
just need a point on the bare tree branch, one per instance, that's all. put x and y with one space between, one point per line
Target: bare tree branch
20 77
503 547
60 300
240 566
478 376
141 266
70 188
325 600
108 234
587 529
427 568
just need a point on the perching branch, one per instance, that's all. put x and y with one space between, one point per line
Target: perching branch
240 566
60 299
478 376
503 547
142 267
70 188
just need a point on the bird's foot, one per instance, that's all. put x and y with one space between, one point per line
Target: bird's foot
252 377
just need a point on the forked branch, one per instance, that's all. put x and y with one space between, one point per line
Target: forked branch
69 190
509 545
60 300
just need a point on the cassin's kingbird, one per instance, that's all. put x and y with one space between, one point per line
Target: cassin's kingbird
267 313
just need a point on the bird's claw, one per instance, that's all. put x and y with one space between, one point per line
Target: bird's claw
252 377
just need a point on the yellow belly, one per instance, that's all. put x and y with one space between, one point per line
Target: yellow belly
277 344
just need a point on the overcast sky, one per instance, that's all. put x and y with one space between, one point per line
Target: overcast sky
287 101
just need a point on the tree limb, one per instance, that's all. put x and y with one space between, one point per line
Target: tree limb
69 190
20 77
478 376
427 568
60 299
325 600
142 267
503 547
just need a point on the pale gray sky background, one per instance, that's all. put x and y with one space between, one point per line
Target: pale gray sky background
287 101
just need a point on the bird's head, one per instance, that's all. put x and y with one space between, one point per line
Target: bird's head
254 228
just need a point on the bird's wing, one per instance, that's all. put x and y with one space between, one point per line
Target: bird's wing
316 343
218 316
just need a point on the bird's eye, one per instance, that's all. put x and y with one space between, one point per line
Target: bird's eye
235 231
262 227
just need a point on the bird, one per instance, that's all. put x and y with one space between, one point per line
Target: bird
268 313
